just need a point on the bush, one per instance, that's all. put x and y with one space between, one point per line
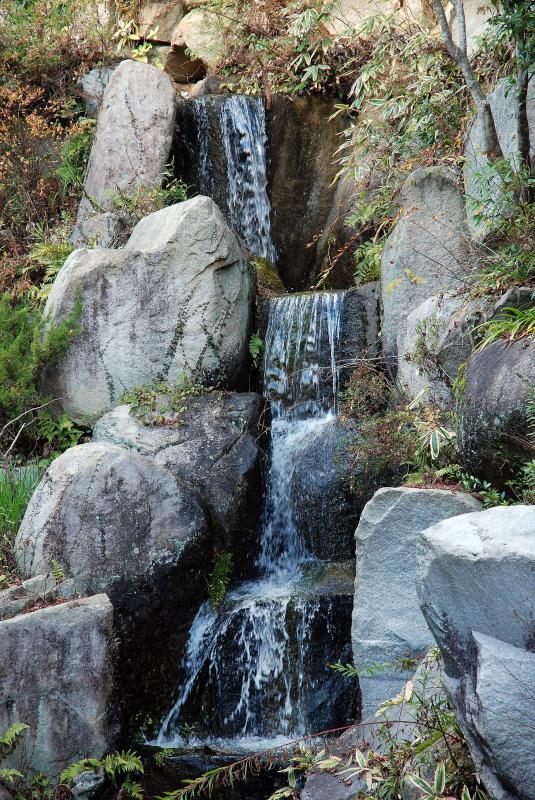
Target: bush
26 346
16 488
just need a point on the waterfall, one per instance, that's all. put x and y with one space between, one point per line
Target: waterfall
238 123
248 660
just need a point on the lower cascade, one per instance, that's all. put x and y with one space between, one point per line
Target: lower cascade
257 668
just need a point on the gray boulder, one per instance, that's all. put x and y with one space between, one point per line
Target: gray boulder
437 338
175 300
59 682
492 410
502 715
36 591
211 447
93 85
426 253
478 184
103 511
132 143
387 621
476 586
115 521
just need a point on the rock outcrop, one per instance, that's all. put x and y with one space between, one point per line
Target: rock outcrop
211 447
117 522
426 253
476 586
387 621
108 513
59 682
437 339
93 85
479 182
131 148
492 410
177 299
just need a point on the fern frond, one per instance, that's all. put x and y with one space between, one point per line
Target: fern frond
9 739
132 790
123 763
10 776
73 770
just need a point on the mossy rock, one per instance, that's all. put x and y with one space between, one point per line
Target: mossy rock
268 280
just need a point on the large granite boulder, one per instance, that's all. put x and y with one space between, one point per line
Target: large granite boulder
105 512
115 521
57 677
177 299
476 586
479 183
132 144
211 447
426 253
387 621
492 410
198 32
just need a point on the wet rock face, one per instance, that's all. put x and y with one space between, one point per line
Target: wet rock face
301 143
318 699
486 633
59 682
492 410
177 299
132 143
325 512
212 448
426 253
387 621
116 521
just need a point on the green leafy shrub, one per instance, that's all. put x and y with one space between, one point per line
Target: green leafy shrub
26 346
58 432
75 153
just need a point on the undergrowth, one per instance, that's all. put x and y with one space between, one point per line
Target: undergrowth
163 403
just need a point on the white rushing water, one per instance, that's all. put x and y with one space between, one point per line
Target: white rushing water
251 653
241 130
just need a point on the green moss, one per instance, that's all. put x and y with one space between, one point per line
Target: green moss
267 276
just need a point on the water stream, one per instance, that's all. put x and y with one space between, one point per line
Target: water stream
240 122
246 664
250 672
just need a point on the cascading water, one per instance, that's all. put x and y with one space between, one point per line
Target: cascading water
246 666
240 122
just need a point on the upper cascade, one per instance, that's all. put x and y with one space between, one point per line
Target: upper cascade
241 122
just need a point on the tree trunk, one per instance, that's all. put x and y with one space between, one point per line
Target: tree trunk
491 144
